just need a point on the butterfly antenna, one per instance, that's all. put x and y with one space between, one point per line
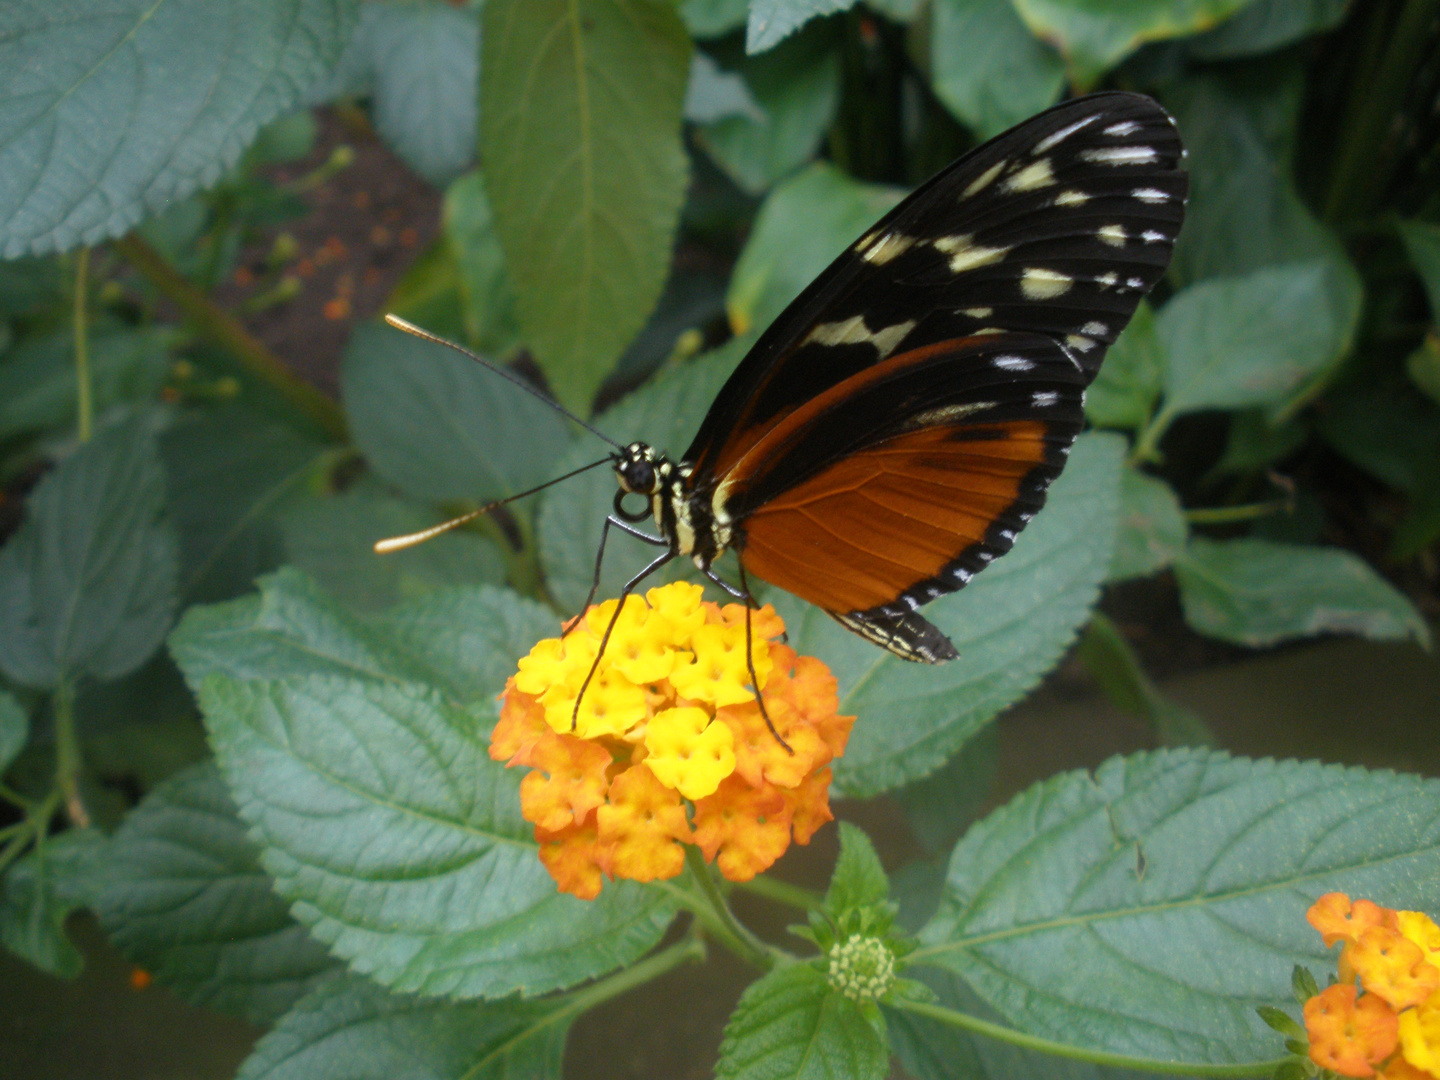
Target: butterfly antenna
410 328
399 543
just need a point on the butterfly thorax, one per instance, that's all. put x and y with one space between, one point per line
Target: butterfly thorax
682 515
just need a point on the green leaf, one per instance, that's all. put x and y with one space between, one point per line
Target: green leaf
987 67
800 229
1046 917
1115 667
1123 395
38 893
713 94
712 18
230 471
859 880
14 729
37 378
1152 526
1011 625
1255 592
184 897
87 583
1266 25
796 90
773 20
334 541
487 303
379 813
790 1024
351 1029
1423 367
665 413
939 807
1257 339
580 133
108 112
1095 35
1422 243
1255 442
439 426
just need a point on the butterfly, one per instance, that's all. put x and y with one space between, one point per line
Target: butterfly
893 430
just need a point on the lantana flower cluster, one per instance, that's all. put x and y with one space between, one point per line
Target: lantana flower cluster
1382 1018
669 746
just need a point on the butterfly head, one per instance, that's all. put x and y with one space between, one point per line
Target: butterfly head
640 470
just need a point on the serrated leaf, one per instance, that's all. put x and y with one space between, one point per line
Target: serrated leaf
665 413
771 21
1094 37
110 111
487 303
986 66
1011 624
941 806
713 94
712 18
580 132
1123 395
38 893
791 1024
859 880
801 227
1152 527
184 897
333 540
1256 339
352 1029
1422 243
796 90
439 426
1256 592
14 729
1047 919
1266 25
87 583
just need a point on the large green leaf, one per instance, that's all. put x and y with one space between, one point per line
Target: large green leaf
1152 528
439 426
39 892
796 89
112 110
800 229
987 67
1095 35
183 896
771 21
352 1029
1123 395
87 583
1149 906
487 303
362 769
1422 243
1257 592
14 729
1011 624
711 18
1257 339
580 134
790 1025
1266 25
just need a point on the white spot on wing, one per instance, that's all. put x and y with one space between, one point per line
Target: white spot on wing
965 254
1120 155
1135 282
1114 235
1055 138
1033 176
1079 341
1043 399
1125 127
1013 363
1151 195
1037 283
1151 236
978 312
1071 198
1094 329
983 180
1107 280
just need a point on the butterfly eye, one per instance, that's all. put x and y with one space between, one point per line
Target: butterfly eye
638 476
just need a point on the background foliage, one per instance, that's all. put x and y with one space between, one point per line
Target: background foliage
632 190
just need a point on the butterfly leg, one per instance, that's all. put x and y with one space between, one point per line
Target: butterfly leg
738 594
624 527
749 599
605 639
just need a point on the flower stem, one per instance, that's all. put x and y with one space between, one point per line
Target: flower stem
781 892
1147 445
225 330
1225 515
67 754
715 913
692 948
84 395
1001 1033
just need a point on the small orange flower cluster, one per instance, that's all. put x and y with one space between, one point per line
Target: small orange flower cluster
668 746
1383 1016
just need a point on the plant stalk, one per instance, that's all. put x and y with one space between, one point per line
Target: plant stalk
84 388
715 913
67 754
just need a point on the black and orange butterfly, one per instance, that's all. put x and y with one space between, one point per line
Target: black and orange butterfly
898 424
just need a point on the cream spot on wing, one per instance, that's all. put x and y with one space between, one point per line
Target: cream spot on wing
1126 127
987 330
983 180
978 312
1114 235
1055 138
1151 195
1108 280
965 254
947 414
853 331
1035 175
1071 198
1076 341
1037 283
1120 155
1094 329
887 248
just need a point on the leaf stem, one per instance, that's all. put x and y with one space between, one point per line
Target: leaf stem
999 1032
67 754
1226 515
712 910
1147 445
225 330
84 390
691 949
781 892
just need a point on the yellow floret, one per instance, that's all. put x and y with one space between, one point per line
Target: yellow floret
688 751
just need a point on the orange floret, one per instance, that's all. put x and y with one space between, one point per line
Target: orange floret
1391 965
1336 917
521 725
641 823
742 829
1350 1034
569 781
575 858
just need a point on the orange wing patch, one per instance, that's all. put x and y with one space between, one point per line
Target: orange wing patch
870 526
